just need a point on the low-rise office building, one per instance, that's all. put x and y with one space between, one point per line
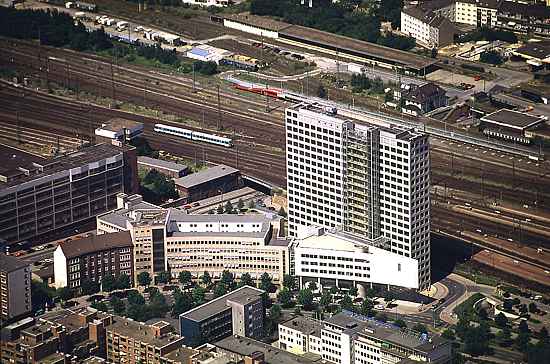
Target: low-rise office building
170 239
241 312
210 182
169 169
132 342
93 258
336 258
39 196
15 288
301 335
349 338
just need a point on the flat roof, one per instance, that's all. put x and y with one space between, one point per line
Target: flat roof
258 21
363 48
117 124
120 217
217 305
140 332
96 243
246 347
159 163
181 355
12 158
538 50
198 178
10 264
512 119
305 325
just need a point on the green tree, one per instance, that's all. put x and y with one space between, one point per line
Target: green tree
501 320
65 293
246 280
522 341
144 279
312 285
220 289
185 277
418 327
366 307
219 210
240 204
118 305
504 336
163 277
266 282
206 279
228 208
285 297
135 298
289 282
533 307
346 303
523 326
353 291
482 314
400 323
100 306
89 287
448 334
491 57
305 298
476 342
228 279
326 299
41 294
198 295
275 313
122 282
183 302
108 283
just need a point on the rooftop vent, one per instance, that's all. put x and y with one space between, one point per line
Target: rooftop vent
351 325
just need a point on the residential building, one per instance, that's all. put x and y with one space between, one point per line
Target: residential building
349 338
15 288
169 169
39 196
523 17
337 258
418 100
61 336
301 335
132 342
198 243
93 258
487 13
209 182
119 129
360 173
240 312
428 28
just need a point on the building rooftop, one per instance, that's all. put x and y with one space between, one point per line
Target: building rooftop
258 21
423 92
536 11
141 332
117 124
217 305
14 158
248 347
513 119
36 168
159 163
356 47
357 324
306 326
320 238
181 355
96 243
198 178
10 264
538 50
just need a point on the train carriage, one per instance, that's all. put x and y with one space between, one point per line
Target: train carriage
194 135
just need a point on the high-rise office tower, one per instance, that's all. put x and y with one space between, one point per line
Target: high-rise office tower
361 175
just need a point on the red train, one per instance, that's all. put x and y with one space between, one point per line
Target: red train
271 92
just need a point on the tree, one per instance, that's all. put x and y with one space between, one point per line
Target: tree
305 298
206 279
118 305
476 341
501 320
144 279
346 303
266 282
285 297
491 57
108 283
275 313
65 293
448 334
400 323
163 277
366 307
533 307
228 208
156 188
183 302
185 278
228 279
246 280
289 282
522 340
198 295
135 298
482 314
312 285
89 287
504 336
523 326
321 92
41 294
418 327
282 211
353 291
462 327
507 305
123 281
100 306
220 289
219 210
240 204
543 334
326 299
251 204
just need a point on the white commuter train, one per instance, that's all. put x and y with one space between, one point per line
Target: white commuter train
194 135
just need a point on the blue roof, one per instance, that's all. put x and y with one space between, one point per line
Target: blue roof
199 52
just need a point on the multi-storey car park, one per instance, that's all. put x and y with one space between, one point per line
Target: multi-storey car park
366 179
169 239
39 196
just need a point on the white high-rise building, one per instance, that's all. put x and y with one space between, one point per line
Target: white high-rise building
363 175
